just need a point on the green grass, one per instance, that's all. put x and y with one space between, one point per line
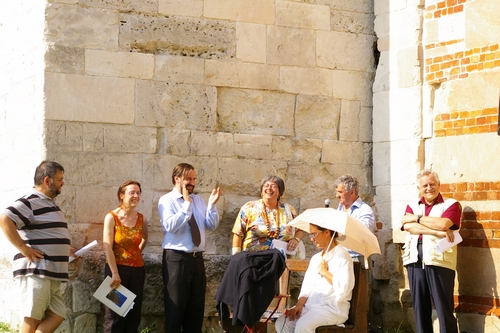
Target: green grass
4 328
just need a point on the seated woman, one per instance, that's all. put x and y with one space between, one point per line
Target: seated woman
261 221
326 289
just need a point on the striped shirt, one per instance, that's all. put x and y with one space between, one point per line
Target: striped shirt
42 225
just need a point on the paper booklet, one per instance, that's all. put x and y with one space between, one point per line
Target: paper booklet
279 244
443 244
83 250
120 300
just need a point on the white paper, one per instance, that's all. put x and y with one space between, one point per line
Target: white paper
444 244
279 244
120 300
83 250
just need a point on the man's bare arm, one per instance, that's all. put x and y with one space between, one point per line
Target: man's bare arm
10 231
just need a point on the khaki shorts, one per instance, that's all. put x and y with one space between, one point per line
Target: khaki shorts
38 295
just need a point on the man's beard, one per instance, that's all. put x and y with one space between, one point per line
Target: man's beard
53 189
190 188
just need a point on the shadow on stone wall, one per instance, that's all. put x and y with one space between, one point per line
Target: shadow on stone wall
476 274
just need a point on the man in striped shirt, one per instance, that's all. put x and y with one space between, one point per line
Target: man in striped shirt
35 225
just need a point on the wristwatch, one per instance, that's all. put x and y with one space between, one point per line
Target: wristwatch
418 218
297 239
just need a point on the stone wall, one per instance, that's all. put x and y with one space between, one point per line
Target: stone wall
128 89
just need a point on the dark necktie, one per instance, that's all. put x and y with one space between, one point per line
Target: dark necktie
195 231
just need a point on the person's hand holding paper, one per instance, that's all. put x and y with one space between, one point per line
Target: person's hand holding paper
452 238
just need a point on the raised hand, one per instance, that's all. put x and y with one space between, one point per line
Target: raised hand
214 197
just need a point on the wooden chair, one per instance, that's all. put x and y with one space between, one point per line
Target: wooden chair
358 312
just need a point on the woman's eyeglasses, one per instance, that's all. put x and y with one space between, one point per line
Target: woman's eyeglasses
314 234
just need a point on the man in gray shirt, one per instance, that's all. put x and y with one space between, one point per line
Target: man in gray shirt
35 225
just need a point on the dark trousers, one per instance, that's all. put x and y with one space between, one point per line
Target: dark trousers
133 279
436 284
184 282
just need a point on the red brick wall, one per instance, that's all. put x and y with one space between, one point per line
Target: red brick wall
466 122
479 229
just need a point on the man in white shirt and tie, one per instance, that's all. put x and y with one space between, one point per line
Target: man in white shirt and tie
184 218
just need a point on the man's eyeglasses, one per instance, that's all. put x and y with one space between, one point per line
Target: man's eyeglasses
133 193
273 186
314 234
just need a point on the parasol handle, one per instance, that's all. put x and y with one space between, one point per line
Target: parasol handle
330 243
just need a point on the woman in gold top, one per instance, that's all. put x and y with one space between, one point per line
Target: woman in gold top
125 236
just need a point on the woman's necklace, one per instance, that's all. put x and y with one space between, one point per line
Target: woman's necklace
273 234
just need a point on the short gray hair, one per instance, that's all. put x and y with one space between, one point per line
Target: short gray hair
277 180
427 172
350 183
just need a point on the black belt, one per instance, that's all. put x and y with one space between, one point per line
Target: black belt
195 254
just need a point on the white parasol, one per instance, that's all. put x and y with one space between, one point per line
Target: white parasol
353 234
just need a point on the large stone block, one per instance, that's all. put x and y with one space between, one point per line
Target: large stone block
243 176
251 42
350 120
258 112
181 7
408 67
177 35
302 15
457 165
476 92
353 52
402 125
119 138
258 11
64 59
89 98
353 85
253 146
296 150
178 142
175 106
212 144
359 6
335 151
479 22
123 5
352 22
311 81
312 183
120 64
383 162
224 73
99 169
291 46
61 136
76 26
317 117
179 69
